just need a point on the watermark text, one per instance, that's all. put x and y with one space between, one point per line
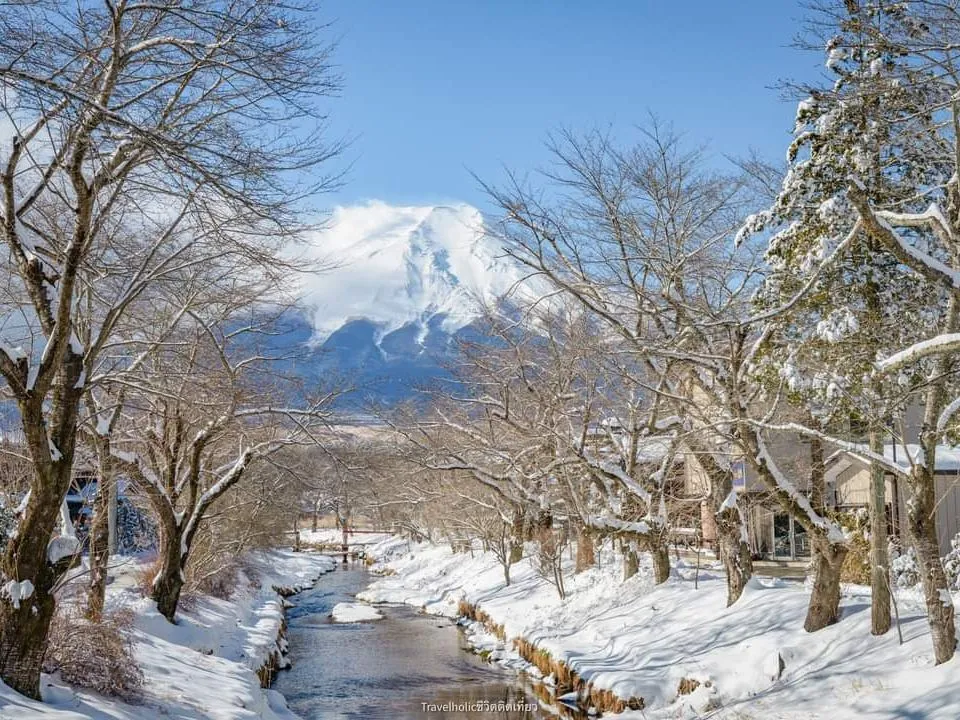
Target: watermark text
479 706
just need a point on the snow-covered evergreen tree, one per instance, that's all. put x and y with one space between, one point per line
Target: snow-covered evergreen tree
860 269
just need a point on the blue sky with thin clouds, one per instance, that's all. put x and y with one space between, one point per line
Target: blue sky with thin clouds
434 90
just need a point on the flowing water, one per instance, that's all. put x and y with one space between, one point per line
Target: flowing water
395 668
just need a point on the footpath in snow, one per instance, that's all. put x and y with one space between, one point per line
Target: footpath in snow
680 648
206 665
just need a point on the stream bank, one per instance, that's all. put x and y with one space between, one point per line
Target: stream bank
406 666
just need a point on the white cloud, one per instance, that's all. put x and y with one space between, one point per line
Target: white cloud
401 264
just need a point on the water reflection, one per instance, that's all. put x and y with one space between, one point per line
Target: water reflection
405 667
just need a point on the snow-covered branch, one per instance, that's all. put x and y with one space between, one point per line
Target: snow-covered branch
914 258
939 345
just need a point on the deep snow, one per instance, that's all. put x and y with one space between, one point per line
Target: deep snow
202 667
641 640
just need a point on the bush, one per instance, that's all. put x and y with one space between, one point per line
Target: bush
98 656
951 564
213 568
904 567
145 575
220 581
856 565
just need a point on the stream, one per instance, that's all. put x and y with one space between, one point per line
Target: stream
394 668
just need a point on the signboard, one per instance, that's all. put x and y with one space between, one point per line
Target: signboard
738 468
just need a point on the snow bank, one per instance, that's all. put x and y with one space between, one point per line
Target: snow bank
243 629
354 612
202 667
640 640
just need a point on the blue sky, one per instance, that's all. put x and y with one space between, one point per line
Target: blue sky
434 90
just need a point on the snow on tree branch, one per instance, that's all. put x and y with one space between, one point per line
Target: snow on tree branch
939 345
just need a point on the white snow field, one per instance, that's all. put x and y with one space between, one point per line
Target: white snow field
202 667
641 640
354 612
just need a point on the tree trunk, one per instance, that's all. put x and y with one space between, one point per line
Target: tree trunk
824 607
519 529
516 551
631 563
661 562
921 511
23 640
586 557
734 553
112 502
879 554
709 533
24 629
99 552
543 520
725 526
558 577
731 536
506 571
168 583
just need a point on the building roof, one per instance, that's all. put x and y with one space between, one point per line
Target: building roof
906 455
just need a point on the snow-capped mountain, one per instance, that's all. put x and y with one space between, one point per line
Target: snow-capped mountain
406 282
400 265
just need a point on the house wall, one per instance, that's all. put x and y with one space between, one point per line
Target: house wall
792 456
791 453
948 510
695 479
760 530
852 489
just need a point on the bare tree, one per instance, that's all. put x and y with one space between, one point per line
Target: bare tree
642 239
201 414
190 123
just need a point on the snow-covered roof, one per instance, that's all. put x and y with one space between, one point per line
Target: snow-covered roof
653 449
904 456
650 449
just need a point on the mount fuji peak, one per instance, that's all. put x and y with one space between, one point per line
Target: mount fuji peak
397 267
406 283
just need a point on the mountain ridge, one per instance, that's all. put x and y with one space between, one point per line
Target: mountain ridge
403 264
414 281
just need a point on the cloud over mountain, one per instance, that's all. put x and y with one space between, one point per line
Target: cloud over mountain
398 266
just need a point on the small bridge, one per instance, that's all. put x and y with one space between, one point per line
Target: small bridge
331 541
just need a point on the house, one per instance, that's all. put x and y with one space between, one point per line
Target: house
775 535
772 533
848 483
80 497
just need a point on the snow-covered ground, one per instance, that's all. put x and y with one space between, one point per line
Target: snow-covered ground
202 667
641 640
